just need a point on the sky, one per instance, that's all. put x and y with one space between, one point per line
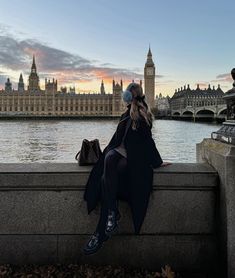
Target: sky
82 42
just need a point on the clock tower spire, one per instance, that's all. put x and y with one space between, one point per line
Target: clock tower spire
33 78
149 80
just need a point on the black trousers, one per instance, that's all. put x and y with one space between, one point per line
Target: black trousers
115 170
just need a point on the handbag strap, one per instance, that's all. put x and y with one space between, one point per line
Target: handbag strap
76 157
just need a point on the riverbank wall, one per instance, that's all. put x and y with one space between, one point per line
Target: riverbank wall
44 218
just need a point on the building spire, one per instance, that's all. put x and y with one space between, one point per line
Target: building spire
102 89
21 78
21 84
33 78
149 61
8 85
34 68
149 52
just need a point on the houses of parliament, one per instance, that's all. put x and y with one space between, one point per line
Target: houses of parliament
34 101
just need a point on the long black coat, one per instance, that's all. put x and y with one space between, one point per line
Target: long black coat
142 157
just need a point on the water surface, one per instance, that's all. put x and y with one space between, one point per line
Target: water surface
59 141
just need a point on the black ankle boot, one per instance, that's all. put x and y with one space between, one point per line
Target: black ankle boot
112 222
94 243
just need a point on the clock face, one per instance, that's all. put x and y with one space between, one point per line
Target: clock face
149 71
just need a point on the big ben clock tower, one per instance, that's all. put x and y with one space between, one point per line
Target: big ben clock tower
149 80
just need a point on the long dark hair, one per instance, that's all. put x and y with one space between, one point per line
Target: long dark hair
139 107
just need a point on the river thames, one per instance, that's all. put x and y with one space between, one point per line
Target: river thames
59 141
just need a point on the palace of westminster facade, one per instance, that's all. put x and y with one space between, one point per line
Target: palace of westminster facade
34 101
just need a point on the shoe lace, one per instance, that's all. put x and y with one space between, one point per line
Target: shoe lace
93 238
111 217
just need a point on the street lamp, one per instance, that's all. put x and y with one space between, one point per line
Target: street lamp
227 132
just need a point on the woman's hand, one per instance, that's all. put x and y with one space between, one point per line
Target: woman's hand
165 164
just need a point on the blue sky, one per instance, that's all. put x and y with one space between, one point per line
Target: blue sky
191 41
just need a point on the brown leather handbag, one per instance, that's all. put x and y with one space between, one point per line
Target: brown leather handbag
89 153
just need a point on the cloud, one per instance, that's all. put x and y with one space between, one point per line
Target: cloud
225 77
165 81
3 79
16 55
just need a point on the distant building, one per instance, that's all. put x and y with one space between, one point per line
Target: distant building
64 101
186 98
162 105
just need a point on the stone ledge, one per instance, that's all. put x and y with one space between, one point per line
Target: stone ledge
75 168
70 176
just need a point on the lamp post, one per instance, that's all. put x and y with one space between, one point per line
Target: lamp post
227 132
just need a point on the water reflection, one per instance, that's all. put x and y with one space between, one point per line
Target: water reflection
59 141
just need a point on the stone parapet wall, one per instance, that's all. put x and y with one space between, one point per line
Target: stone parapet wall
44 218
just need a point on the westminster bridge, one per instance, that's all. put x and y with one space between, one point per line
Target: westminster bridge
212 112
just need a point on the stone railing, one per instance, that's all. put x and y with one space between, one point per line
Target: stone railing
44 218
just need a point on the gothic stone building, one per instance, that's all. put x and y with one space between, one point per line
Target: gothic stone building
51 101
186 97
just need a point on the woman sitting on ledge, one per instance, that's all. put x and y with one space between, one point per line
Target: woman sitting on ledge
124 171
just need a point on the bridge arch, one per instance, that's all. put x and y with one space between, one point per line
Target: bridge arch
222 111
209 109
187 112
205 113
176 113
